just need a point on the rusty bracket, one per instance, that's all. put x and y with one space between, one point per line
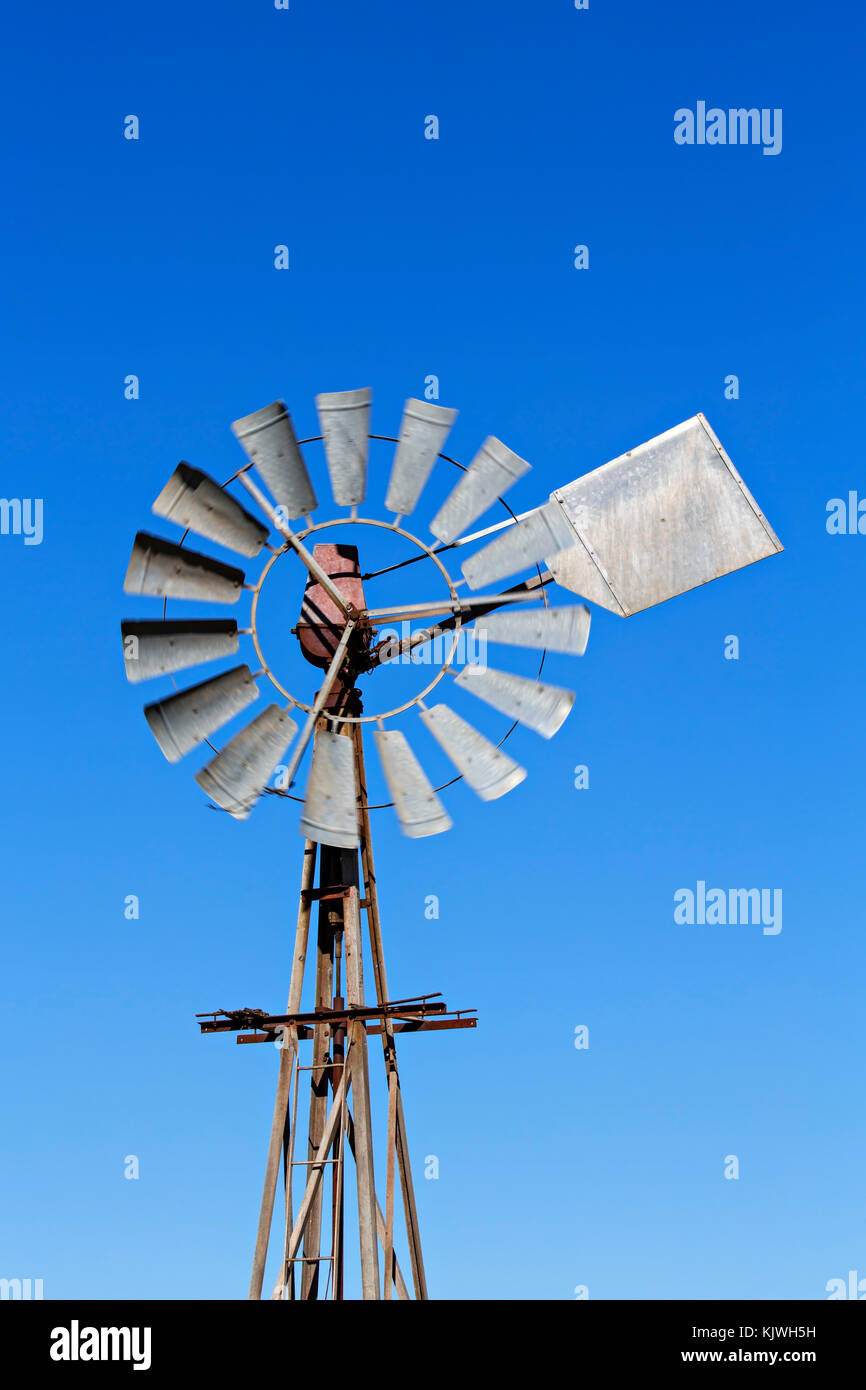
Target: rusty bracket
408 1013
415 1025
313 895
227 1020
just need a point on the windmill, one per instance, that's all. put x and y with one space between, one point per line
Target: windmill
659 520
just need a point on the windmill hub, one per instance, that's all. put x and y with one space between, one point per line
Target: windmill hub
321 621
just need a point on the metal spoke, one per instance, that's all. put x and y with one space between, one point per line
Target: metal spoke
319 703
299 548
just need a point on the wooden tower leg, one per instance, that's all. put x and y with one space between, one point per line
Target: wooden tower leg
361 1088
319 1090
338 869
278 1127
371 899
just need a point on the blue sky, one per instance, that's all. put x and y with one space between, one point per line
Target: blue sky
558 1168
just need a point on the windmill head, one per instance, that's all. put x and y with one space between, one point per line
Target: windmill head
666 517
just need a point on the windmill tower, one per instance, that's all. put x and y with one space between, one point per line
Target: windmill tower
664 518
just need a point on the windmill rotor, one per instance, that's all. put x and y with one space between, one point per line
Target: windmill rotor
665 517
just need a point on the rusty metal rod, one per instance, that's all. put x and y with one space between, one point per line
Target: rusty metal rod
300 549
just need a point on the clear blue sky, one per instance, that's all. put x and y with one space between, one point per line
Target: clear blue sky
558 1167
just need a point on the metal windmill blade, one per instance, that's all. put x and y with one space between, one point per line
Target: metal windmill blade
162 570
268 439
487 769
554 629
418 808
664 518
543 707
344 419
157 648
491 473
522 545
330 815
183 720
237 776
423 430
194 501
